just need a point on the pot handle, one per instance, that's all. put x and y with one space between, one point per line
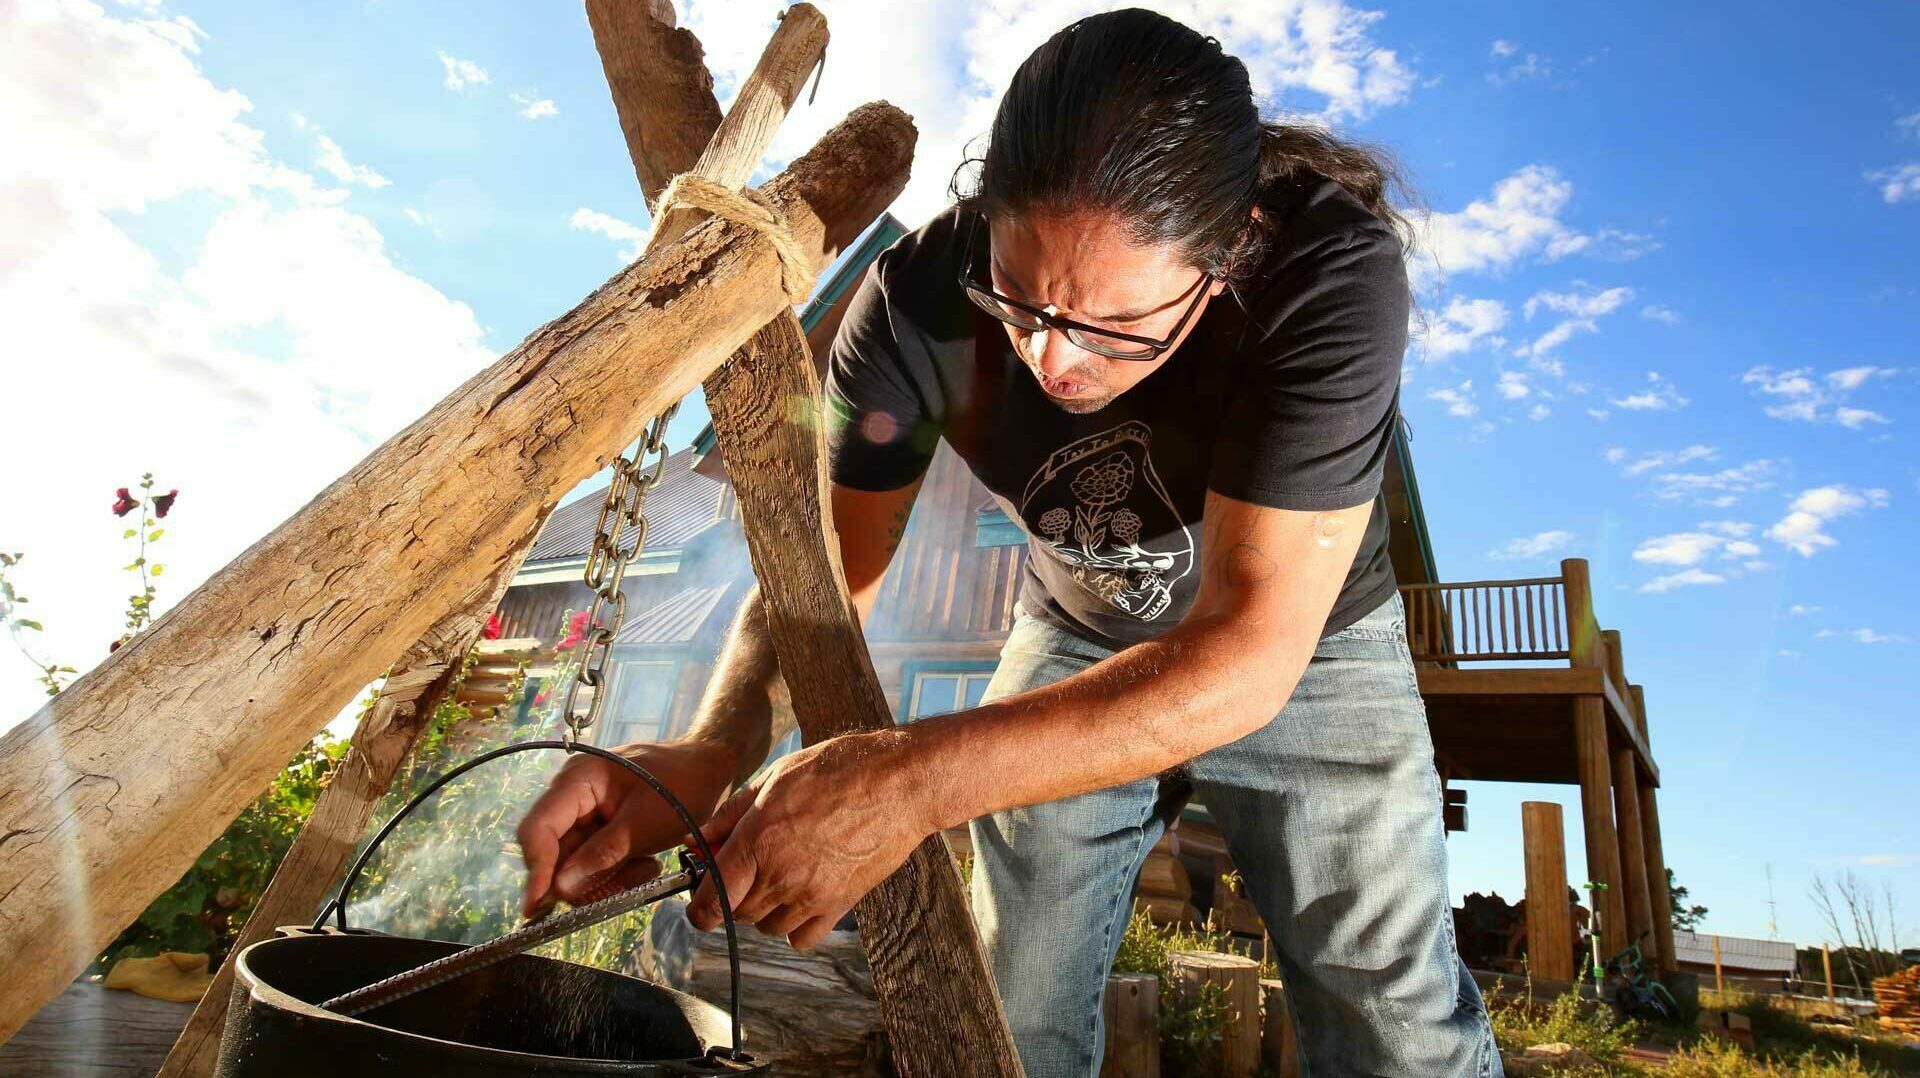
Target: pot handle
705 862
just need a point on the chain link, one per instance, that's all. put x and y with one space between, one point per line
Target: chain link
607 567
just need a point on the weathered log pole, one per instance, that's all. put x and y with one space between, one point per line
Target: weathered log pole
641 49
652 65
111 790
936 994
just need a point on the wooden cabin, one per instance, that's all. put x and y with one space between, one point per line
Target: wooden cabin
1520 682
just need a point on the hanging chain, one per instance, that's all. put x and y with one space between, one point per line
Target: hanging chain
607 568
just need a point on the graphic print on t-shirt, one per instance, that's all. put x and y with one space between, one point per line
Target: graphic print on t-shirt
1095 502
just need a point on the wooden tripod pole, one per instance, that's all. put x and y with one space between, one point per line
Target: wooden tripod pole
930 974
112 789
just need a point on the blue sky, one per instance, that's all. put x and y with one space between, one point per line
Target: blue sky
1670 278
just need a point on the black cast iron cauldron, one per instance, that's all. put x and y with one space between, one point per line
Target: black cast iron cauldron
524 1016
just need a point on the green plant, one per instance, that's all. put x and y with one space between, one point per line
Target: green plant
205 909
1520 1022
10 604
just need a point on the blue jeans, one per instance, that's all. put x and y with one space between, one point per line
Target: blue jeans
1332 815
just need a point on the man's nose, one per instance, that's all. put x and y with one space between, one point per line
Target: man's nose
1053 353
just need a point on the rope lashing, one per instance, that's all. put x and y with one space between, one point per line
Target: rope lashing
752 209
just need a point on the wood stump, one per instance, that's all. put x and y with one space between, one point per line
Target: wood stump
812 1013
1132 1013
1240 978
1279 1046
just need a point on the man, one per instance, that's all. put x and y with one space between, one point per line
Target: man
1208 597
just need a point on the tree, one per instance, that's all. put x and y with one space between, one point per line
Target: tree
1685 918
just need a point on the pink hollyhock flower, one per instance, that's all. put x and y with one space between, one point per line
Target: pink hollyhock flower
164 502
576 631
493 629
126 503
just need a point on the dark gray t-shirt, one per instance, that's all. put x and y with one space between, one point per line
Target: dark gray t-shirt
1288 402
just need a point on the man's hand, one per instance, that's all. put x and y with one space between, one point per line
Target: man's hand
599 825
823 828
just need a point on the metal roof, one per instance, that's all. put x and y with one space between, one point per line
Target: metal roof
685 504
1736 953
677 620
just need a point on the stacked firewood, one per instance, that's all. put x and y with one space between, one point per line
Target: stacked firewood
495 676
1166 891
1898 998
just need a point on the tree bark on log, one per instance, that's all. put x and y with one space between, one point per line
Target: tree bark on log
943 1014
112 789
651 65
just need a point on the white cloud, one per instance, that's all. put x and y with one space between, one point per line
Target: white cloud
1889 858
463 73
333 160
1809 398
1459 401
1802 609
633 236
1513 385
1538 412
1521 220
1462 326
1658 396
535 108
1503 48
1581 309
1787 653
267 349
1527 548
1722 488
1648 462
1660 313
1680 548
1683 579
1535 66
1803 529
1863 636
1899 183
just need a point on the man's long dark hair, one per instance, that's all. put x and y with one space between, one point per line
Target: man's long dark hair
1135 114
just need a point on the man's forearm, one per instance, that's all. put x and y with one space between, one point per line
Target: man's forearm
1144 710
738 710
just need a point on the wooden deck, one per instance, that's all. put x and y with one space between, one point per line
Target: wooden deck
1517 724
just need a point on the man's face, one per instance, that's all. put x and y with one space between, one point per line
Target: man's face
1084 267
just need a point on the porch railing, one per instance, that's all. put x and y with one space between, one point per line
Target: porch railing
1488 620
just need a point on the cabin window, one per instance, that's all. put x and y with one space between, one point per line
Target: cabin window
992 527
641 701
936 692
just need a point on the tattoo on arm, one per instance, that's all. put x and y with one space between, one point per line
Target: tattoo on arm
897 526
1242 564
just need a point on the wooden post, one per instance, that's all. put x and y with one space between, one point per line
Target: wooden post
112 789
1633 854
1549 915
930 973
1826 960
1596 817
936 994
1279 1046
1658 896
1584 644
1132 1013
1719 978
1240 978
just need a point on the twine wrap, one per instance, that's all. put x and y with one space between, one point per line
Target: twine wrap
746 207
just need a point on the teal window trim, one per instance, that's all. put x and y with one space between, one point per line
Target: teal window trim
992 527
912 670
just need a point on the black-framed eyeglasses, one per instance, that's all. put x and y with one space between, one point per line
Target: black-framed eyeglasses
1096 339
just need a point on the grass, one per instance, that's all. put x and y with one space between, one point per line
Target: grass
1785 1045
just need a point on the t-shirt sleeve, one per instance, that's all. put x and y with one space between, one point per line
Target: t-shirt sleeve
1309 425
880 432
